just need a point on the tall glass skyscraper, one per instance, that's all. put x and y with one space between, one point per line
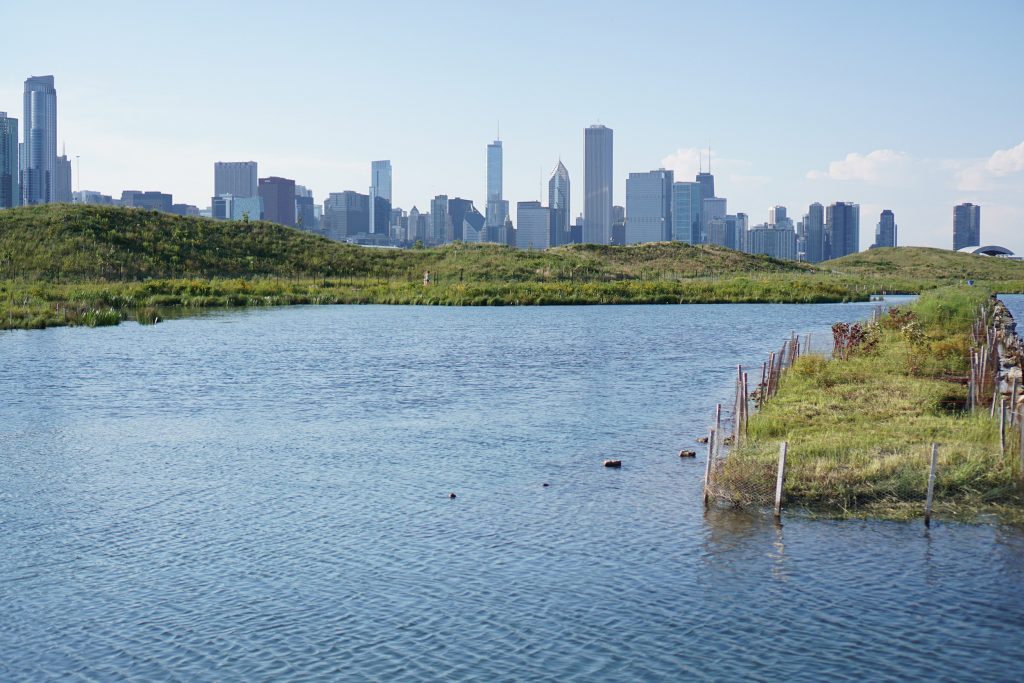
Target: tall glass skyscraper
885 231
707 184
40 152
496 207
10 187
597 185
558 202
380 195
815 240
649 206
842 229
686 204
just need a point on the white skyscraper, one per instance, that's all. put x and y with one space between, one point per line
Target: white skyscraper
649 206
39 161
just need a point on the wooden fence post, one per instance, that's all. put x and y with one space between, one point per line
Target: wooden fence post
718 429
1002 426
707 467
779 479
931 485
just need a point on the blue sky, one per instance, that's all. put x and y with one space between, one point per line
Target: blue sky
913 106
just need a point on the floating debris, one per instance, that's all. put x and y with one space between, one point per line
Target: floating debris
702 439
451 495
613 463
687 454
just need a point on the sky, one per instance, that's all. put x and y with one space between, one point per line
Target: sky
912 106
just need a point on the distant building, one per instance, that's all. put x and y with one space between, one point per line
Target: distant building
597 185
533 226
380 196
707 184
885 231
92 197
558 202
777 242
278 195
440 223
814 237
710 209
842 229
236 178
10 187
728 231
231 208
686 205
151 200
39 153
966 226
649 207
345 214
184 210
305 210
473 226
496 208
62 180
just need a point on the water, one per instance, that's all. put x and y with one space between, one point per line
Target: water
263 495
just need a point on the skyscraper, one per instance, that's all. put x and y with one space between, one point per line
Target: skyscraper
237 178
62 180
558 202
40 144
966 226
440 223
707 184
10 187
380 196
597 185
497 208
776 214
533 226
885 231
842 229
278 195
815 242
686 205
710 209
649 206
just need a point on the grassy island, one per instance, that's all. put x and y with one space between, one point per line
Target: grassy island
91 265
859 428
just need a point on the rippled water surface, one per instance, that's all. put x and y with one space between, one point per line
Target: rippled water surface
263 495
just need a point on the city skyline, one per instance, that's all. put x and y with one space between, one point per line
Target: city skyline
920 154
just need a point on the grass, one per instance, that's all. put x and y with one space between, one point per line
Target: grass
859 430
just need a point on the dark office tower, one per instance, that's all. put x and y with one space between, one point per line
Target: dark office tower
40 151
815 243
966 226
885 231
236 178
558 202
278 195
10 188
345 213
707 185
458 208
842 229
151 200
597 185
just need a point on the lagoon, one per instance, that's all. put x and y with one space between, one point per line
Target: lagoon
262 494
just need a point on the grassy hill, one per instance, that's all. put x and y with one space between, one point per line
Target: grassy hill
926 263
94 243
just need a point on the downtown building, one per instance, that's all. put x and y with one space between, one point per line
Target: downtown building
777 241
151 200
597 184
10 186
686 205
236 178
842 230
813 243
380 196
533 226
558 202
496 209
966 226
885 230
278 196
39 149
345 214
648 207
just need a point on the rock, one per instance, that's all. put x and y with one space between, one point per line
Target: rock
613 463
702 439
545 484
451 495
687 454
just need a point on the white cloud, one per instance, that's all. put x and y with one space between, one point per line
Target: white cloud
687 161
1006 161
878 166
981 175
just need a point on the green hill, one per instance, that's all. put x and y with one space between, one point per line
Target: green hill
925 263
94 243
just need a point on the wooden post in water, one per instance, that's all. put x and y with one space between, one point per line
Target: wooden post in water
718 430
931 485
707 467
746 405
780 477
1002 426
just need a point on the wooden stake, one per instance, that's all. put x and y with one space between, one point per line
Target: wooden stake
779 479
931 485
707 467
746 405
718 430
1013 401
1002 426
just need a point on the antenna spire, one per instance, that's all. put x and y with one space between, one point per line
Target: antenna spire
709 158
